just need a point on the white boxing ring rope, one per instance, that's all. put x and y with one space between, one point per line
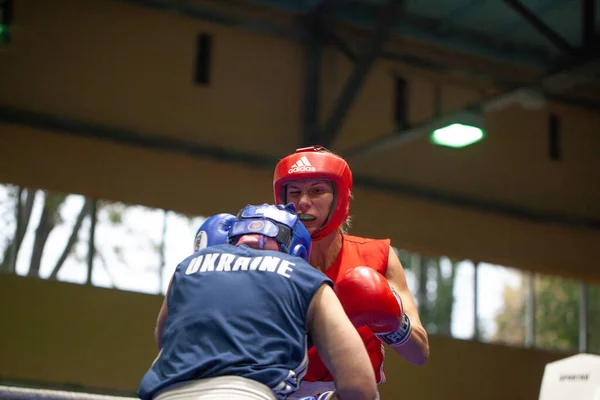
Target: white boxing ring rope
21 393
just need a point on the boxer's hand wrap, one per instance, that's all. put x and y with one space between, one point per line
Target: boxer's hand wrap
400 335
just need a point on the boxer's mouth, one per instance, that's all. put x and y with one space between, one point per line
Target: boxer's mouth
306 217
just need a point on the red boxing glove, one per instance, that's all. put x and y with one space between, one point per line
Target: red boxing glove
368 299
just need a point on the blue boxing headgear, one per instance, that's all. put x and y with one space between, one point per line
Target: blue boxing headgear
213 231
277 222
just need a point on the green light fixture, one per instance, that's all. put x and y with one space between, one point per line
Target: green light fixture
6 7
457 135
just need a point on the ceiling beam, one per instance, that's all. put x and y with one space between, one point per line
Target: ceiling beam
387 17
253 24
298 34
588 23
143 140
564 77
313 53
560 42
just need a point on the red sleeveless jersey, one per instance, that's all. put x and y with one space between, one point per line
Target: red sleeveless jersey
356 251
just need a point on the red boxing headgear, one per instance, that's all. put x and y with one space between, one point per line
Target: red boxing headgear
316 162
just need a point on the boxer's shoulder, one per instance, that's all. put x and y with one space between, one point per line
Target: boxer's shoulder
365 240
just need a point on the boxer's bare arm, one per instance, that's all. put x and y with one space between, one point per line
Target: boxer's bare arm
340 347
161 320
416 350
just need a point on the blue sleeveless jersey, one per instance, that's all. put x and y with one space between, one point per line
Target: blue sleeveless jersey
236 311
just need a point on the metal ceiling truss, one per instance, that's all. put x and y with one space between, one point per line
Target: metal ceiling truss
585 67
314 25
257 25
314 36
388 13
589 29
318 34
589 47
541 27
578 66
301 34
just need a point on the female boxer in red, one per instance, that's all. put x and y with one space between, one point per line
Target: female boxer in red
369 279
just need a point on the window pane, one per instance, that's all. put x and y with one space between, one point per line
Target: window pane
501 309
179 242
128 247
8 201
434 284
556 313
593 314
76 226
408 260
54 244
463 314
138 248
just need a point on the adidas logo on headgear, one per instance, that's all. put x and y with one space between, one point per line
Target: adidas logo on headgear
302 165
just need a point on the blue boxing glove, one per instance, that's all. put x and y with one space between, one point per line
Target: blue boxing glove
213 231
322 396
